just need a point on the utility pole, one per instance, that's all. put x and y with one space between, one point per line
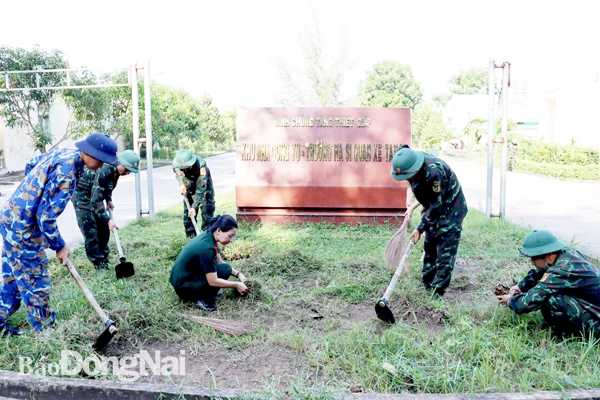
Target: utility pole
503 98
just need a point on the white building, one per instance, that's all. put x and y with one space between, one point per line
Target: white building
557 107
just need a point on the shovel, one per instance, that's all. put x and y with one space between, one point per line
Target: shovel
187 203
381 308
124 269
110 328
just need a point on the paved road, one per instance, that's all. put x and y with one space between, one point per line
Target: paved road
570 209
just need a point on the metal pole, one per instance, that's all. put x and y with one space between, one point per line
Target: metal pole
505 84
136 136
490 159
148 114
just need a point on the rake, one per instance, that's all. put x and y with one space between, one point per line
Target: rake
230 327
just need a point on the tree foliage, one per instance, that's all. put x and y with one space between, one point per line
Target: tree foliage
390 84
428 128
30 108
317 80
477 130
180 121
105 110
471 81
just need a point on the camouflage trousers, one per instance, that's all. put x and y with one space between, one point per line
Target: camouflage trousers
568 316
25 278
96 235
206 213
205 291
438 263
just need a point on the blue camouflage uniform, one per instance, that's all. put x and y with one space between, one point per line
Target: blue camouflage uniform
437 188
28 226
567 293
92 190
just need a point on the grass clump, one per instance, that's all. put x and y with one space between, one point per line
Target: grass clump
314 288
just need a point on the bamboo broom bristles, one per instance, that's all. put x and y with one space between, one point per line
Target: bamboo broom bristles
396 246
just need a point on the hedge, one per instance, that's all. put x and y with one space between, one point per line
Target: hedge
585 172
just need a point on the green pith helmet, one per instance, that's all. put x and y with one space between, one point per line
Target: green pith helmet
541 242
183 159
130 160
406 163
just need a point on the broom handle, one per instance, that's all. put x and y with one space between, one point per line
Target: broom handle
396 276
121 255
86 291
187 203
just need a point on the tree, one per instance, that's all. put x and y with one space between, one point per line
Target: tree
319 79
471 81
180 121
390 84
428 129
105 110
30 108
477 129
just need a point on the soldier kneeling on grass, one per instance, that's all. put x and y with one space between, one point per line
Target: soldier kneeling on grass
199 271
564 286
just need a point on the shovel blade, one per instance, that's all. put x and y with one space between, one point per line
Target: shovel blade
124 270
110 329
383 311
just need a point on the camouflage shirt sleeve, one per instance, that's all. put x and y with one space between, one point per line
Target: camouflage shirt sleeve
201 187
102 190
54 200
530 280
210 189
552 281
179 176
32 163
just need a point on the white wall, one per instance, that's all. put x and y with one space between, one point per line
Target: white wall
18 149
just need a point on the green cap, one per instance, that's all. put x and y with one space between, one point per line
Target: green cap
541 242
406 163
130 160
183 159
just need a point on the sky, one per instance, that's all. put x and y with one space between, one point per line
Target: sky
227 48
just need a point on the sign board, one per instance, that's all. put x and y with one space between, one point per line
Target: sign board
320 164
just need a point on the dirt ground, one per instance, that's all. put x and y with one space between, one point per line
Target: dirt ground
238 367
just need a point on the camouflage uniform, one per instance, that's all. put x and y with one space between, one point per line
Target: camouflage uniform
28 226
444 208
566 292
200 193
92 190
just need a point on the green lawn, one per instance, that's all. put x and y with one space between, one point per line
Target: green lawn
313 304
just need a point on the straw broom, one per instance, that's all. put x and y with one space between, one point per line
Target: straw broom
396 246
230 327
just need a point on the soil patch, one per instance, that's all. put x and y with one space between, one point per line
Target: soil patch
226 364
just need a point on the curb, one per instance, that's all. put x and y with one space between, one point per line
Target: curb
15 385
19 386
